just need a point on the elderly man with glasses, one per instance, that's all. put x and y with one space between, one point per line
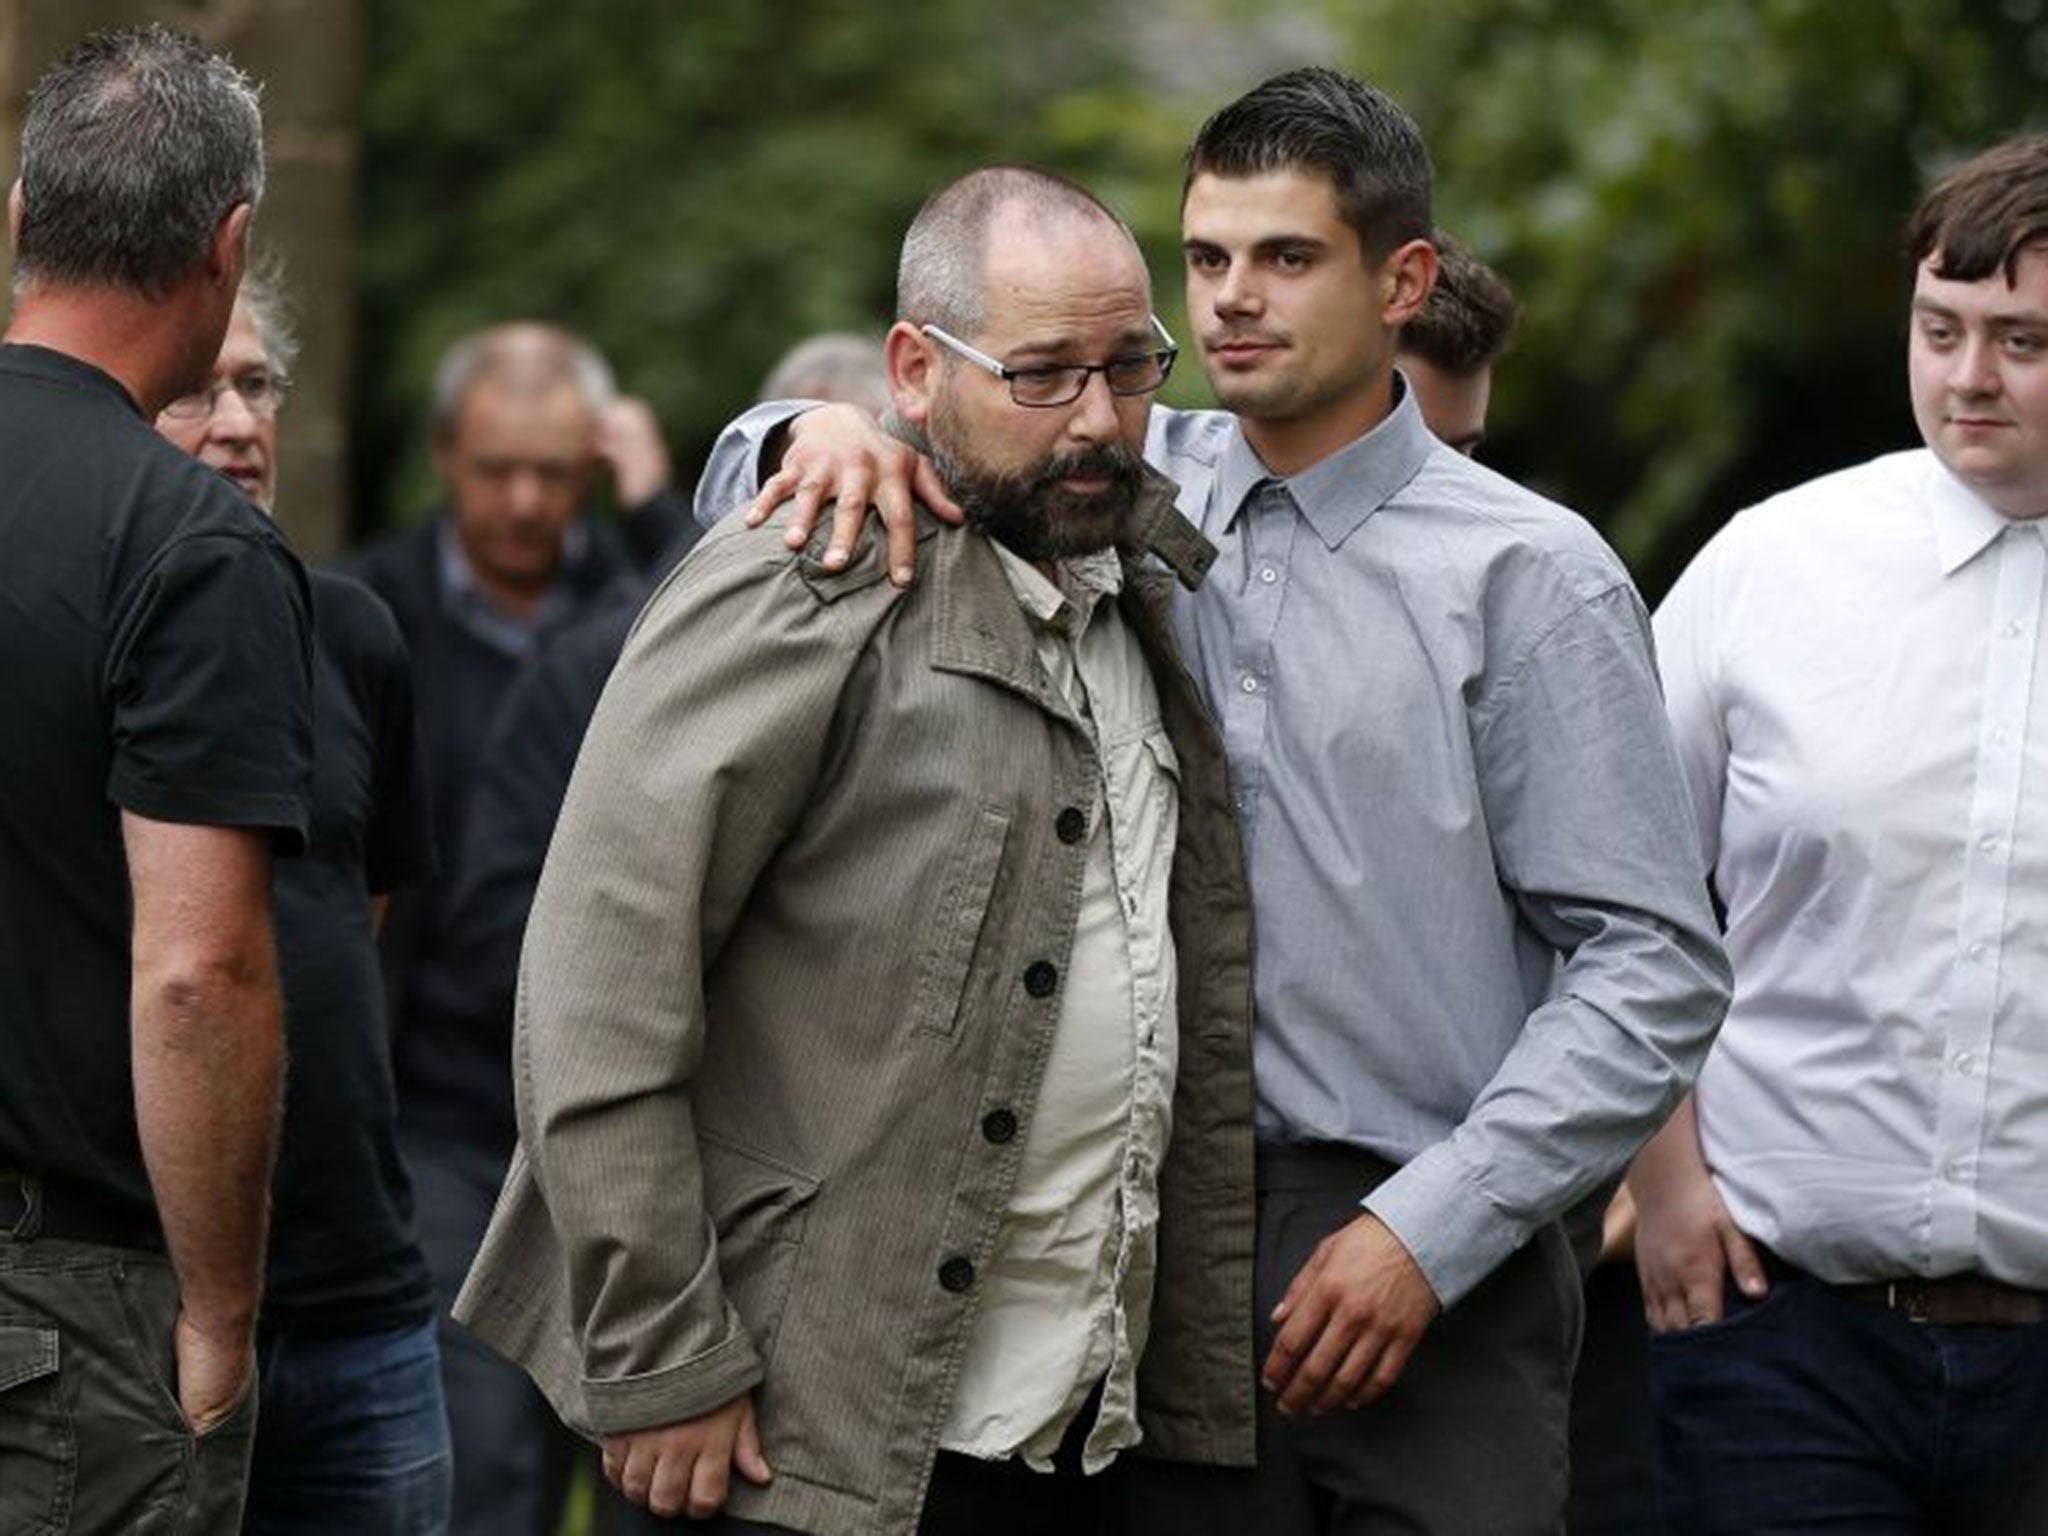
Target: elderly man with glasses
852 1025
352 1436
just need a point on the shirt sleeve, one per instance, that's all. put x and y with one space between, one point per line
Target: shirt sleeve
732 473
210 678
1593 838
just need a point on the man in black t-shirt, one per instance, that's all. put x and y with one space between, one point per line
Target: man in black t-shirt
157 746
353 1434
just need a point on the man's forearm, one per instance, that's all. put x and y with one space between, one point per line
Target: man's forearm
208 1054
209 1067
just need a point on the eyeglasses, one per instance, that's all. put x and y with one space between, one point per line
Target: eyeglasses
1053 384
261 390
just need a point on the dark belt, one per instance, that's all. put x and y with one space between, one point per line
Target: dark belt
36 1205
1953 1301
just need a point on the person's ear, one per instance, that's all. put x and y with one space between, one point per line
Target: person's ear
228 251
15 206
1406 278
914 366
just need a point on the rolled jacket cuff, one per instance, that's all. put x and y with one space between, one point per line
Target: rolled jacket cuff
623 1404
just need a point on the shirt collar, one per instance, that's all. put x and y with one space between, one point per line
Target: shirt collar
472 607
52 366
1965 525
1340 492
1069 602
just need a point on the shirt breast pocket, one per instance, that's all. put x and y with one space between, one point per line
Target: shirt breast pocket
957 922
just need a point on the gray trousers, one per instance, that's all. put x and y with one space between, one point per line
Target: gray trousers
1471 1440
91 1436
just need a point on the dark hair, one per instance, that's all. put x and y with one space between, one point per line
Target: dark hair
1321 120
136 144
1979 217
1469 315
938 277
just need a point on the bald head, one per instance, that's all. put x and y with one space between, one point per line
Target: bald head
942 278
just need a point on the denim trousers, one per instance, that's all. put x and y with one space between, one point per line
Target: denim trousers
352 1439
92 1439
1807 1411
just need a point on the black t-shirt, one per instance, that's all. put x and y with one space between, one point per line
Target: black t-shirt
342 1254
155 657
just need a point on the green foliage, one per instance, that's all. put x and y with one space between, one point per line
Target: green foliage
694 186
1699 205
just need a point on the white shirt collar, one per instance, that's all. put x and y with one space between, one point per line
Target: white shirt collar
1965 525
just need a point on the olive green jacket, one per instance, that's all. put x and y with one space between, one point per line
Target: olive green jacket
799 940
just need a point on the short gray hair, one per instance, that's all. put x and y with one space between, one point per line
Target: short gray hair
836 365
939 278
528 355
136 144
263 295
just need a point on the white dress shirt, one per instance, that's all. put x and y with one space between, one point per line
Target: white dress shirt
1856 689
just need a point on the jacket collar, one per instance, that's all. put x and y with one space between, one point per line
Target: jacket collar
979 627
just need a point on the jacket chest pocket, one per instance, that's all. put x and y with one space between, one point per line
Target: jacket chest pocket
957 922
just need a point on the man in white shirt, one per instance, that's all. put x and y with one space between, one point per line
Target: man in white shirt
1856 684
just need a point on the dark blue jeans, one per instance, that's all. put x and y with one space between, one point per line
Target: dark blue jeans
352 1438
1806 1412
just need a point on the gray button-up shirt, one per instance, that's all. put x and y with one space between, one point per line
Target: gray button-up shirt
1483 944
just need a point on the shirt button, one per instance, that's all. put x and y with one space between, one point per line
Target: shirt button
1071 825
999 1126
1975 951
1249 685
2014 629
2000 735
1268 575
956 1274
1988 842
1954 1172
1965 1063
1041 977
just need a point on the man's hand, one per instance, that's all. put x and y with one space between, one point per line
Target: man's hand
629 441
1686 1242
686 1468
837 451
1349 1321
216 1370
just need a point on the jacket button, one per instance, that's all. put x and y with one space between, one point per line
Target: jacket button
999 1126
1041 977
1072 825
956 1275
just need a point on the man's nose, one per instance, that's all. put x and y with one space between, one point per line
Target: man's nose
1974 371
1093 416
232 420
1237 291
